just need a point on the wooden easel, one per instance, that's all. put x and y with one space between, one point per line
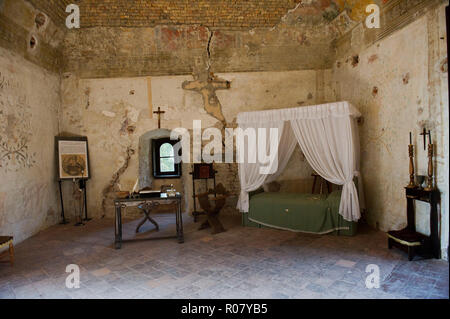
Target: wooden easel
82 186
81 181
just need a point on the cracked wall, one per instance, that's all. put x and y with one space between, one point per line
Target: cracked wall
113 76
115 101
174 50
224 14
118 40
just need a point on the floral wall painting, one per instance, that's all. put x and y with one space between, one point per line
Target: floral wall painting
15 129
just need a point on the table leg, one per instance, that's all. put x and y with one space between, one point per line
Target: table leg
177 221
153 221
434 229
389 243
140 224
411 252
118 228
180 224
147 217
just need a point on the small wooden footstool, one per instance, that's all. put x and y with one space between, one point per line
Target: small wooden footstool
7 241
409 240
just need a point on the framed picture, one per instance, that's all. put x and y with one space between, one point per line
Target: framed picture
72 157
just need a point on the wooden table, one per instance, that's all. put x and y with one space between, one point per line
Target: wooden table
147 204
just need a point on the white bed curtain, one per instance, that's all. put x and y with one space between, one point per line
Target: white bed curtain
327 144
328 137
250 173
288 142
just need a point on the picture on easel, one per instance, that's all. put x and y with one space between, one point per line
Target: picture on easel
73 157
73 164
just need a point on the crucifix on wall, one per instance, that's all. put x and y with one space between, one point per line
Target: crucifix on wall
424 133
207 84
159 112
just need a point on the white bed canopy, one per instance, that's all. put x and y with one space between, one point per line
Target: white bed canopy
328 137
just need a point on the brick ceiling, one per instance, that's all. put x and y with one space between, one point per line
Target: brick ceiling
232 14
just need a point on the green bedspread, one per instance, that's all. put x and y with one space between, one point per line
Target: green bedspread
318 214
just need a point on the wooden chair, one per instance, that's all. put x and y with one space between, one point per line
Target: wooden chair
322 181
7 241
212 212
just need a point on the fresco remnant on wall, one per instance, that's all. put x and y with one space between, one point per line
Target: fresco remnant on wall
15 129
206 84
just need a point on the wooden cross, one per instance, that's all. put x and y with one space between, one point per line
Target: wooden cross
424 133
159 112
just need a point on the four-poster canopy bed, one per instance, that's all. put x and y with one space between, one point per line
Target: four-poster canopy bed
328 137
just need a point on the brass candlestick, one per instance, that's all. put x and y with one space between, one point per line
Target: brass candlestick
430 168
411 166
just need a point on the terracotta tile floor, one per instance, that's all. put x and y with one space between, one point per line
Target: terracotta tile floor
240 263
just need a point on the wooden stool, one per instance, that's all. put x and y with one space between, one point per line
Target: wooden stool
7 241
411 240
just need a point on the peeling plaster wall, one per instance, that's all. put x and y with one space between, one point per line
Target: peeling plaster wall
102 52
225 14
29 103
397 78
400 85
29 107
21 24
105 109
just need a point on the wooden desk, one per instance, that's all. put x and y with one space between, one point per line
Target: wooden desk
147 203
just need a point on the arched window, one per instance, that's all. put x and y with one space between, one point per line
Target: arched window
166 158
164 165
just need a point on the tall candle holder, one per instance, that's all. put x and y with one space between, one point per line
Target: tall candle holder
430 186
411 167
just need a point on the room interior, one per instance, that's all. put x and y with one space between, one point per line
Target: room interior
98 100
